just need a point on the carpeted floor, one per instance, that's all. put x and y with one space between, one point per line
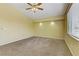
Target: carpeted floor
36 46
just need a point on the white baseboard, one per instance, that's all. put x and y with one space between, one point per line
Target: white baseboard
4 43
50 37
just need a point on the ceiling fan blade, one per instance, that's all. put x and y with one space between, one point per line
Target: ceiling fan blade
40 8
29 4
39 4
28 8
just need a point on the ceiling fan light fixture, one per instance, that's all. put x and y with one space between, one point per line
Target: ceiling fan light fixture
34 7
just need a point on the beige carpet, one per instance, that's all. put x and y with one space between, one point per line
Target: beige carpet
36 46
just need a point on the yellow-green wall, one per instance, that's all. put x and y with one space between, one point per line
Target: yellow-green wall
50 31
14 26
72 43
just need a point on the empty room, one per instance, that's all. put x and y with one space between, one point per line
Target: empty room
39 29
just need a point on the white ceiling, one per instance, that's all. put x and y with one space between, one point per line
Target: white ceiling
50 9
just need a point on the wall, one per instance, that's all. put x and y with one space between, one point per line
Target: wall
13 25
73 45
55 30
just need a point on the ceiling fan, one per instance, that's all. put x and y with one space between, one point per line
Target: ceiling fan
34 7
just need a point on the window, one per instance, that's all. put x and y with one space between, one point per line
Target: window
73 21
